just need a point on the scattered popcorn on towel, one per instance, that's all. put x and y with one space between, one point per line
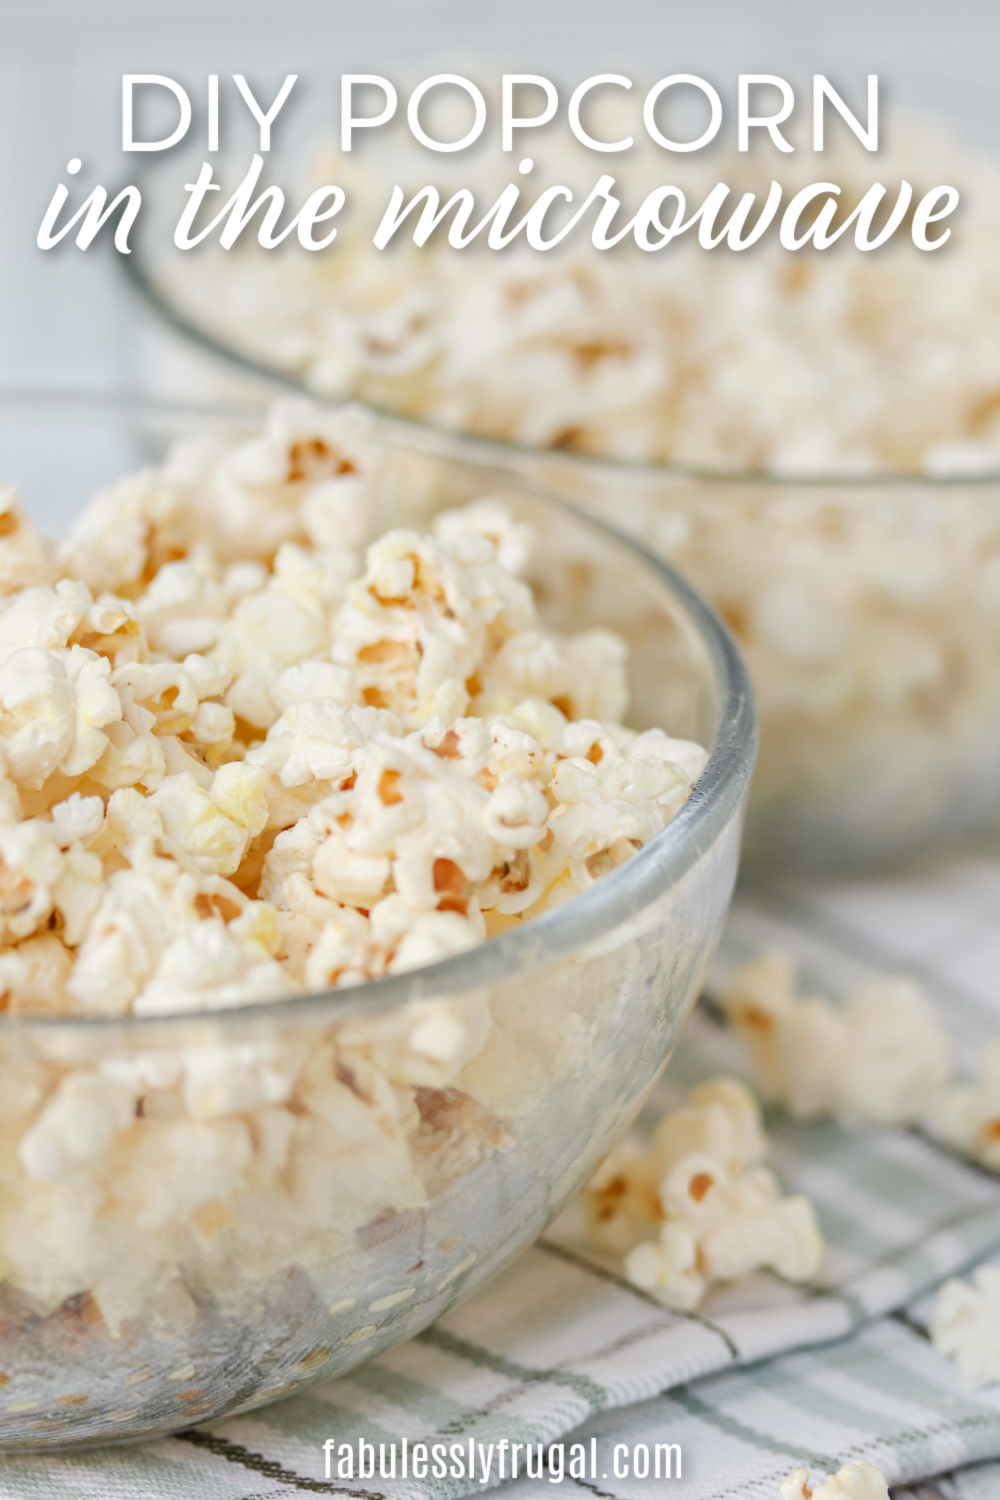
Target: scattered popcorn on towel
967 1115
877 1060
717 1210
859 1480
965 1325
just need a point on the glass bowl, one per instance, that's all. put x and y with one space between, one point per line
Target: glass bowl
289 1188
868 613
868 610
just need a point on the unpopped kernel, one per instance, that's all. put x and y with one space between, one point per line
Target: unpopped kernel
717 1209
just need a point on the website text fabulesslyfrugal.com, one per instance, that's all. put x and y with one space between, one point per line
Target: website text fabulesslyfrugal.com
502 1459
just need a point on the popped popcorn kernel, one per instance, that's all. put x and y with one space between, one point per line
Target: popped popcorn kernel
967 1115
879 1059
77 1125
858 1480
53 710
716 1211
22 557
965 1325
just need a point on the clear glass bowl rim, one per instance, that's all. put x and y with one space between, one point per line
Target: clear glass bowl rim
555 934
513 455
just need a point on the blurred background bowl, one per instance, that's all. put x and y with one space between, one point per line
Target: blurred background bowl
867 607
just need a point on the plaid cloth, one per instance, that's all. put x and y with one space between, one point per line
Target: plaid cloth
767 1376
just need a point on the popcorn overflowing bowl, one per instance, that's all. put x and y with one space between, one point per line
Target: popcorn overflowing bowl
345 927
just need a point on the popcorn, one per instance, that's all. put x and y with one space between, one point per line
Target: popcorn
877 1060
31 865
430 938
206 967
53 711
669 1267
310 680
186 603
516 814
77 1125
238 764
859 1480
139 912
717 1211
43 617
213 724
78 819
178 1165
301 480
420 623
119 534
967 1115
34 976
214 826
510 539
231 503
965 1325
111 628
230 1080
130 759
430 615
313 740
22 556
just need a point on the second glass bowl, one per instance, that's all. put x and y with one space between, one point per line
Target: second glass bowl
868 611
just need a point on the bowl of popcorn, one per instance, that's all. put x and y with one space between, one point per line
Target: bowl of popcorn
346 925
811 438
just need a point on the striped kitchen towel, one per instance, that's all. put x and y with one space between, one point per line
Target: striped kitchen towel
766 1376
